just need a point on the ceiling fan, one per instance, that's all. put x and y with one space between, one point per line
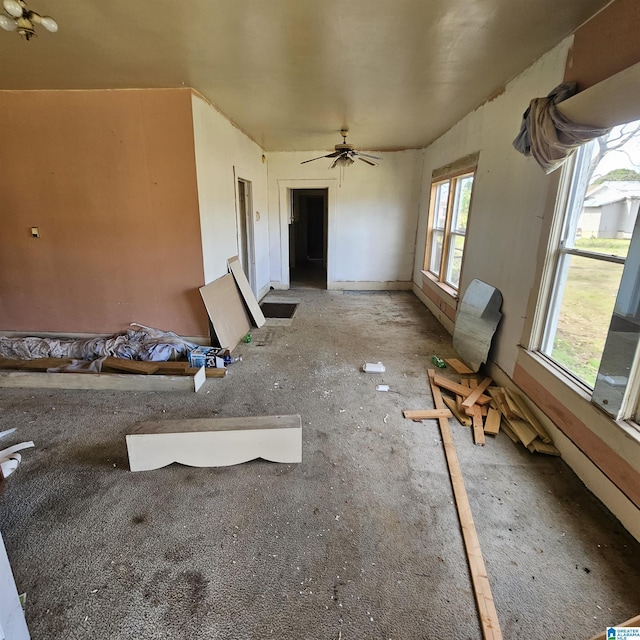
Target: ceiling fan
345 155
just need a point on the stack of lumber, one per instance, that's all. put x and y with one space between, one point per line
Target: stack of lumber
519 422
470 405
487 409
115 365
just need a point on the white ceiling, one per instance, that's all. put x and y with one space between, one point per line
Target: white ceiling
292 73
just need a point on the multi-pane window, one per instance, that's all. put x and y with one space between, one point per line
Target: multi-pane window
593 313
448 217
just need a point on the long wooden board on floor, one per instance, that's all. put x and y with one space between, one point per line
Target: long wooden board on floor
215 442
427 414
458 366
226 311
482 588
492 423
245 290
463 419
94 381
459 389
130 366
475 394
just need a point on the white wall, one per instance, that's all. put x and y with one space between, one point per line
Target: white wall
372 228
509 197
222 151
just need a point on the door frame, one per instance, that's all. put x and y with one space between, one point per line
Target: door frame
285 188
240 175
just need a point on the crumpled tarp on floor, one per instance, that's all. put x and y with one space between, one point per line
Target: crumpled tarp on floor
145 343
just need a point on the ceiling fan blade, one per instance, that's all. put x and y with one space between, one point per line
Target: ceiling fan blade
368 155
373 164
329 155
312 159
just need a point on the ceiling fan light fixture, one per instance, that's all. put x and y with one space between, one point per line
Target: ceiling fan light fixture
46 21
13 8
21 19
7 23
345 154
343 161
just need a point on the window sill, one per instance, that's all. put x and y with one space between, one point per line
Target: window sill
578 401
449 290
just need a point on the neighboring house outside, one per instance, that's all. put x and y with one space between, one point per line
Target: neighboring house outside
610 210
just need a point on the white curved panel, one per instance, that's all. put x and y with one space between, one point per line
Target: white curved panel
216 443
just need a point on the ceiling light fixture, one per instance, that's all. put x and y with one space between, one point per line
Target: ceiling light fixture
21 19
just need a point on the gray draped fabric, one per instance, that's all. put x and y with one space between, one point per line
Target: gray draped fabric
549 136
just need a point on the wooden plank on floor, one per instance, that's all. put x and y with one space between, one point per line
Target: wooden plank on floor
478 427
459 389
498 397
492 423
427 414
130 366
463 419
458 366
482 588
529 416
538 446
172 367
523 431
475 394
507 430
209 372
33 364
94 381
513 407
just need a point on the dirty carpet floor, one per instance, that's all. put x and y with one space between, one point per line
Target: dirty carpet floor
361 541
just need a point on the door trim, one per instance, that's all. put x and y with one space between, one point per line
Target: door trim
245 176
284 194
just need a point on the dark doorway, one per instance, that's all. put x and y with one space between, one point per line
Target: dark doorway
308 238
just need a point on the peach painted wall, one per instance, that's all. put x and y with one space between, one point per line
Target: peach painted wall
109 179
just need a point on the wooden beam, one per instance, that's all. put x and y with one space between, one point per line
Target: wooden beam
543 447
464 420
458 366
130 366
492 423
482 588
459 389
528 415
523 431
94 381
475 394
478 427
427 414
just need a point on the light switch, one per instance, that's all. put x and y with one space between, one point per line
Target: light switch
35 232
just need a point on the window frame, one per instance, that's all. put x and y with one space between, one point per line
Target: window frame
450 175
558 252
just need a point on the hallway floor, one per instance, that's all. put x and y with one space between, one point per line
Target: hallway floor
359 542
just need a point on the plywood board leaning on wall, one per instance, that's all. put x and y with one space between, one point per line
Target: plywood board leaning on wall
226 311
245 289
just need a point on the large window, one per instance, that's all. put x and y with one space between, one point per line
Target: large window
592 321
448 217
